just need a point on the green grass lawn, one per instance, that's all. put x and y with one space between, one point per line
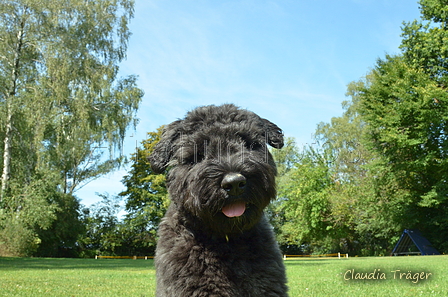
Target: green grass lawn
307 277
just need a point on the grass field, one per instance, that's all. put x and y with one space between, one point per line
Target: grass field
307 277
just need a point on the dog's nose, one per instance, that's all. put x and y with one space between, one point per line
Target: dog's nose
234 184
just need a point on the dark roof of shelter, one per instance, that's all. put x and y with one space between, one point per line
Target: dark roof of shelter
410 239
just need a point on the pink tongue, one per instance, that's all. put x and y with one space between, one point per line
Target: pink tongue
234 210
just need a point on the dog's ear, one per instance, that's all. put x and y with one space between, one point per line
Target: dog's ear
164 149
273 134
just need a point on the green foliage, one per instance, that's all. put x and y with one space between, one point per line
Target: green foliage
61 87
425 43
61 105
16 239
304 197
402 105
434 10
388 152
101 226
60 238
412 139
340 195
26 209
367 203
146 198
285 159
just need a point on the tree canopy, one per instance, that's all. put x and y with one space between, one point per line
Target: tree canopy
387 153
146 197
62 103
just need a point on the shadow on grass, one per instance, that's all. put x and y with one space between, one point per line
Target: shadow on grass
66 263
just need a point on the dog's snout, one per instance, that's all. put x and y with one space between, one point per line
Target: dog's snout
234 184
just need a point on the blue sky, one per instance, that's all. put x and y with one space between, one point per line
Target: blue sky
289 61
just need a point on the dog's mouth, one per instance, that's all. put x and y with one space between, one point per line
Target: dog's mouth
235 209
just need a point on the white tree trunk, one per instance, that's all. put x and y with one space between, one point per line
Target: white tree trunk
7 154
9 118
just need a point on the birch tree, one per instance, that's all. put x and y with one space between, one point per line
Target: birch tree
60 97
62 104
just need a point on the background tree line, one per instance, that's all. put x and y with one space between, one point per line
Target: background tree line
382 166
375 170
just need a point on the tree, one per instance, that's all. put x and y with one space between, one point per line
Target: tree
305 201
342 139
424 43
382 165
20 219
60 239
101 228
60 96
367 203
146 198
412 139
61 102
285 160
339 195
402 107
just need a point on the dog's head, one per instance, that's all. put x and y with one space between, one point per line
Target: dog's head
220 171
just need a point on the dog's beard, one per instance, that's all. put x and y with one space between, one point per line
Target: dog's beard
222 214
202 196
240 223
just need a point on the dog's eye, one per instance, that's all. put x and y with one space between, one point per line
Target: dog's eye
253 145
193 159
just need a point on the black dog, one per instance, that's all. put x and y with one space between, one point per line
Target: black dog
214 239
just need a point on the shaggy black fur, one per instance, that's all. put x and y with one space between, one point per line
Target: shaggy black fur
214 239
